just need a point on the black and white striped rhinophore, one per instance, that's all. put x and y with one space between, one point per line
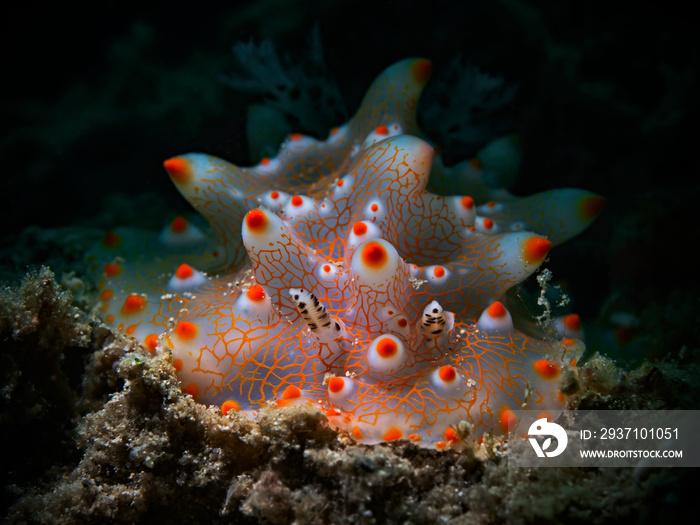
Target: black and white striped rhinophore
323 326
435 320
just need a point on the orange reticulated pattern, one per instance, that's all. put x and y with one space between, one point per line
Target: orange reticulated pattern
314 255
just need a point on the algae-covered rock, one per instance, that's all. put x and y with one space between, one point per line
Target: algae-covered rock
101 432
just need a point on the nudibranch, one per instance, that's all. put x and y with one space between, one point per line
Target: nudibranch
329 275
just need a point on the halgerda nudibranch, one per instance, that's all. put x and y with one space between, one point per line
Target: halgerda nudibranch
330 276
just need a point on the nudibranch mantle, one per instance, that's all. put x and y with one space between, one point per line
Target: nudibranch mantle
331 276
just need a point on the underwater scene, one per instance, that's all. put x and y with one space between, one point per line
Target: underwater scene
350 262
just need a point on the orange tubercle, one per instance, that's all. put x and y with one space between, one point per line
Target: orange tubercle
133 304
256 293
106 295
256 221
374 255
507 419
447 373
392 434
536 249
151 342
590 206
179 224
112 269
184 271
186 330
497 309
467 202
488 224
421 70
546 369
360 228
387 348
228 406
111 240
274 195
297 201
177 364
336 384
451 435
356 432
291 392
191 389
381 130
439 271
374 207
179 169
572 322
